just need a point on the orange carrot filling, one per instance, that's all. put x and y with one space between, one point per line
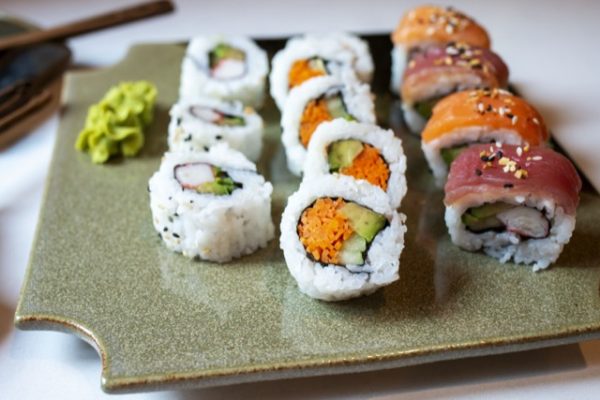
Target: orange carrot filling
315 112
369 165
302 71
323 229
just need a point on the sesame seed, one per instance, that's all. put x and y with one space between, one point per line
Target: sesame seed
521 174
448 60
536 158
519 151
536 121
501 111
480 108
449 29
499 144
451 50
514 120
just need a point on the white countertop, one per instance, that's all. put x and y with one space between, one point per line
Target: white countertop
554 59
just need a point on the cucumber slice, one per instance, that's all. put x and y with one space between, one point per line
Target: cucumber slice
342 152
352 250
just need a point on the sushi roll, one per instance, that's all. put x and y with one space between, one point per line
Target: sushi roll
362 151
512 202
310 56
441 70
478 116
224 67
319 100
429 25
211 205
204 122
341 238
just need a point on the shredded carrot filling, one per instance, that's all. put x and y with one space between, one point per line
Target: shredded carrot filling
323 229
369 165
315 112
301 71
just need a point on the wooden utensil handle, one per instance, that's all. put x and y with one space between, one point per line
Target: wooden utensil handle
91 24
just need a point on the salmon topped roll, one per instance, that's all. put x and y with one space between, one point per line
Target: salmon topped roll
310 56
443 69
478 116
512 202
426 26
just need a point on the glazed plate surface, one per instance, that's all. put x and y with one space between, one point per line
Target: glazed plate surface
159 320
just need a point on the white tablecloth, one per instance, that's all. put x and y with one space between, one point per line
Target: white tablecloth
548 50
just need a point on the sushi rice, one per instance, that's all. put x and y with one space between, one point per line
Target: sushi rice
334 282
196 79
188 131
208 226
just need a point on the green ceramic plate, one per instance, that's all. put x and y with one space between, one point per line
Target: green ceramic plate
159 320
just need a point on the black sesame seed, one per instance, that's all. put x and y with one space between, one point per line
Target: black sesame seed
188 138
176 215
165 229
191 201
218 137
500 154
508 186
178 121
175 235
170 219
206 148
478 172
159 235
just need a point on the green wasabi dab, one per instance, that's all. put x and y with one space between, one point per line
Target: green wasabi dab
115 125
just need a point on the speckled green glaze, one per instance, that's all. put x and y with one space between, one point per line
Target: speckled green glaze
159 320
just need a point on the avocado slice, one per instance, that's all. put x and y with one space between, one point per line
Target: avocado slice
482 218
224 51
353 249
425 107
449 154
222 185
341 153
475 224
363 221
335 105
489 209
232 120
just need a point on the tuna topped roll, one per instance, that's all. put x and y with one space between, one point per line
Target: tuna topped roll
478 116
426 26
340 238
440 70
512 202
